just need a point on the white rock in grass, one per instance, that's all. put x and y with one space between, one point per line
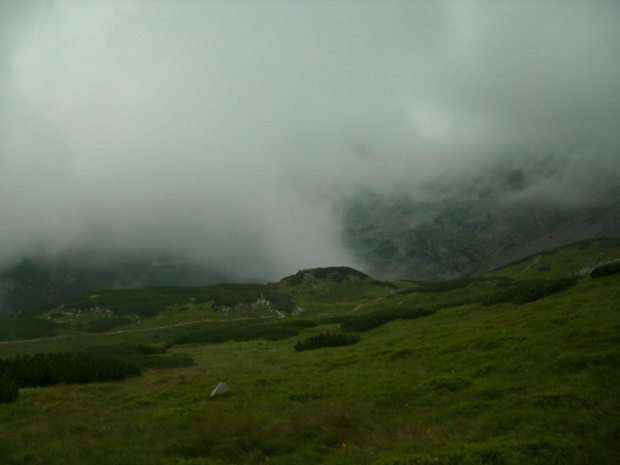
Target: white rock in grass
220 389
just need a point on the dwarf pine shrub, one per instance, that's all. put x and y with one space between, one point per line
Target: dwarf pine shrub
605 270
531 291
328 339
238 332
27 328
71 368
368 321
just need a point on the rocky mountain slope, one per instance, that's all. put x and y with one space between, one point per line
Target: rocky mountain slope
454 239
445 230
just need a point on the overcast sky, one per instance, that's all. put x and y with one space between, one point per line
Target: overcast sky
225 131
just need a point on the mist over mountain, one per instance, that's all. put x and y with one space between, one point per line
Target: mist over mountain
243 141
41 280
473 225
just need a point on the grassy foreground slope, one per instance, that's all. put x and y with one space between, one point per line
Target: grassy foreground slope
579 258
470 384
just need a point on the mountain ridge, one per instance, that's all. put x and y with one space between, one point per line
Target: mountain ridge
402 237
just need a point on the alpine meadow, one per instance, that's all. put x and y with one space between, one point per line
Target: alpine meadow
375 232
327 366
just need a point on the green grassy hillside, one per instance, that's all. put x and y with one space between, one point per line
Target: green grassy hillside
579 258
435 377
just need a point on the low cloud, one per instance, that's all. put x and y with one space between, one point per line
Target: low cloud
226 132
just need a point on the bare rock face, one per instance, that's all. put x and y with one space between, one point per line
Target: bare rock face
220 389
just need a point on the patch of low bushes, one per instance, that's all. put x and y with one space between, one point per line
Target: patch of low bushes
231 294
161 361
96 364
605 270
144 356
146 303
368 321
27 328
48 369
238 332
530 292
121 350
327 339
106 324
452 284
